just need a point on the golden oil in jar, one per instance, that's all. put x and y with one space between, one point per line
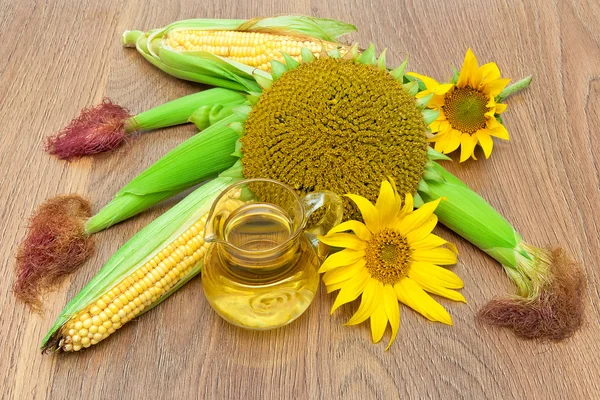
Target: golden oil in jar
264 273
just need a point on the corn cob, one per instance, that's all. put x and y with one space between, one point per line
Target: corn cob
132 295
255 49
229 53
141 274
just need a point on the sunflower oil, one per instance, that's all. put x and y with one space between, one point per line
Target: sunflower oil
263 273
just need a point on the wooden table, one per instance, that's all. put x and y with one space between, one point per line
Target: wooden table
61 56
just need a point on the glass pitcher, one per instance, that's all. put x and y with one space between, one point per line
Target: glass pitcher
261 268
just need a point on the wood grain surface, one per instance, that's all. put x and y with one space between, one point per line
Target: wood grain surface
58 57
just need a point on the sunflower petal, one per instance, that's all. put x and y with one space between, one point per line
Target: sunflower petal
335 286
418 217
486 142
494 88
442 276
430 242
386 204
497 129
489 72
440 256
467 146
340 259
346 240
368 211
500 108
453 141
351 289
443 89
431 286
430 83
468 70
369 302
407 208
411 294
378 323
390 302
357 227
421 232
344 273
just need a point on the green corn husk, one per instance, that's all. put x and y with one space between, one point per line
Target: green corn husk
197 159
142 247
209 69
178 111
549 299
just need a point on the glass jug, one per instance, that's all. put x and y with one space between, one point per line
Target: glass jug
261 268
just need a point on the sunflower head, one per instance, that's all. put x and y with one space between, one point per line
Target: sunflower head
469 111
336 123
391 257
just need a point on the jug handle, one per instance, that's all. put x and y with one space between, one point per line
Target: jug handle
332 216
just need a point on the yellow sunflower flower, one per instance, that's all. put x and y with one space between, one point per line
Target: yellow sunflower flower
391 257
468 108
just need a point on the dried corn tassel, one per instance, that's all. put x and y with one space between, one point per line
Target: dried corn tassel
146 270
228 52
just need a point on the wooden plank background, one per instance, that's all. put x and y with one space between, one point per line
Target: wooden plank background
59 56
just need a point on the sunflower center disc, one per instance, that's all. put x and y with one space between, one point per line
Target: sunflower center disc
388 256
337 125
465 109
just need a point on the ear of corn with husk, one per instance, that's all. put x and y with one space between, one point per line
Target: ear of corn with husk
228 52
146 270
199 158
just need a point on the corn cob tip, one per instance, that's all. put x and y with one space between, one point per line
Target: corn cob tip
56 244
98 129
130 38
554 313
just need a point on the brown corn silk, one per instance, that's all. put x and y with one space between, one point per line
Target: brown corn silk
56 245
556 313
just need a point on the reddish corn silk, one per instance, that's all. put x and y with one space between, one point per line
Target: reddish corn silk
56 244
98 129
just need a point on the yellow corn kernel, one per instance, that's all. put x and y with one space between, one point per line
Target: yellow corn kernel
255 49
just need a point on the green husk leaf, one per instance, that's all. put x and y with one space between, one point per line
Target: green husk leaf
208 115
199 158
238 127
178 111
210 69
417 200
469 215
263 83
142 247
200 67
